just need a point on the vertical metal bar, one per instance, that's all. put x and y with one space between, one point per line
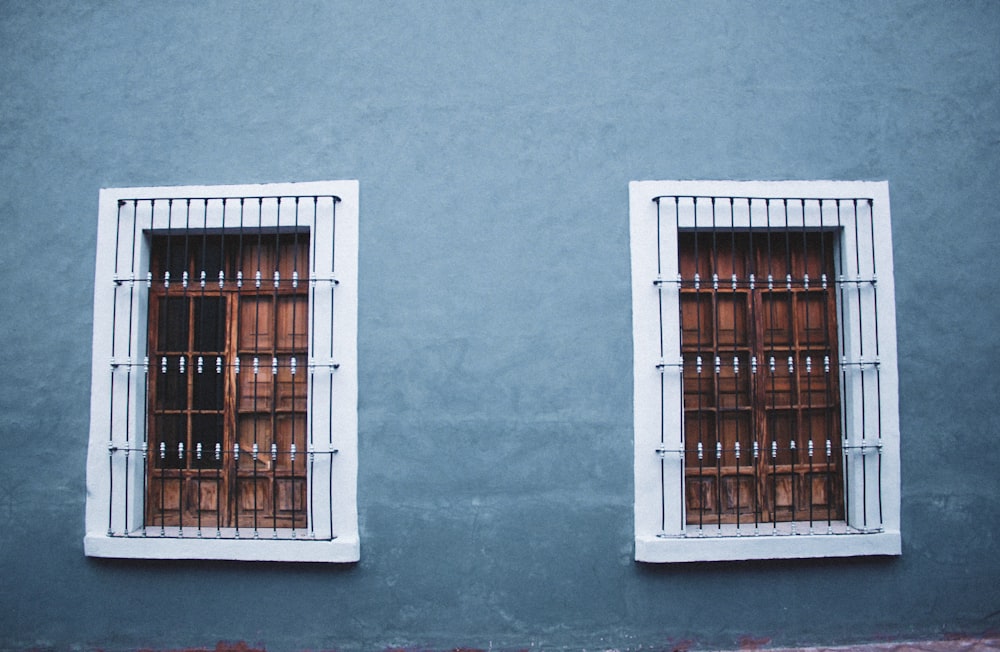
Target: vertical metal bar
827 362
292 371
754 348
771 369
223 310
861 372
145 394
201 352
163 367
878 369
275 383
333 269
659 318
112 368
736 360
188 443
808 362
128 373
681 416
842 336
145 384
312 367
256 359
698 369
237 305
717 379
794 403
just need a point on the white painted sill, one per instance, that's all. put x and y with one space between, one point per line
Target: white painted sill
764 545
343 549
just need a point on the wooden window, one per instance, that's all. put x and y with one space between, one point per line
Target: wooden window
761 397
765 385
228 438
226 427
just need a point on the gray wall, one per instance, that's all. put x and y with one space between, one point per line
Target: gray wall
494 143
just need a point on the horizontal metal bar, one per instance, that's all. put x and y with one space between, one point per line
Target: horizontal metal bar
126 200
755 283
766 199
228 284
816 528
132 448
191 531
766 448
210 366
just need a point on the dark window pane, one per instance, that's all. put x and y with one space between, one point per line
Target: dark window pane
170 255
173 327
207 387
209 324
206 257
171 387
206 429
170 432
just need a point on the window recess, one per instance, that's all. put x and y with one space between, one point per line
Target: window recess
225 413
764 370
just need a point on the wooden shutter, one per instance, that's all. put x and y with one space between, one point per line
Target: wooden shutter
761 399
206 389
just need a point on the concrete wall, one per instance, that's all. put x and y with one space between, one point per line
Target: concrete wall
494 143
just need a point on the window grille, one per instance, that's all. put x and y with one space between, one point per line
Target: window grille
768 351
220 419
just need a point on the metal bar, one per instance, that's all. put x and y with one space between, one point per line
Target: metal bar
111 402
295 276
698 370
201 350
754 389
808 363
842 337
226 348
188 441
275 384
238 306
717 379
311 390
752 198
861 352
682 479
828 355
146 462
659 317
128 371
335 198
163 369
736 363
793 393
256 364
878 376
771 368
333 271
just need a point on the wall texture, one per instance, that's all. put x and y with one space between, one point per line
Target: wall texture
494 143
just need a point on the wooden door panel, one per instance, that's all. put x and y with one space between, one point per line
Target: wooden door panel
786 401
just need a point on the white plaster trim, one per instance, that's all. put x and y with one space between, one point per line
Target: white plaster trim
660 532
338 470
342 549
658 550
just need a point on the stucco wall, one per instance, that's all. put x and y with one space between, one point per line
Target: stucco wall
494 143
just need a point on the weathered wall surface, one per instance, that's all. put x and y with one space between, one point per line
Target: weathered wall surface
494 143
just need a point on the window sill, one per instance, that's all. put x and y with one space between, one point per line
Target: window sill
765 545
343 549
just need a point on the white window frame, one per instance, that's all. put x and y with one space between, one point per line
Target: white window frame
334 472
660 531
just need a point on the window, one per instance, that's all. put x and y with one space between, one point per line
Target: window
224 401
765 389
